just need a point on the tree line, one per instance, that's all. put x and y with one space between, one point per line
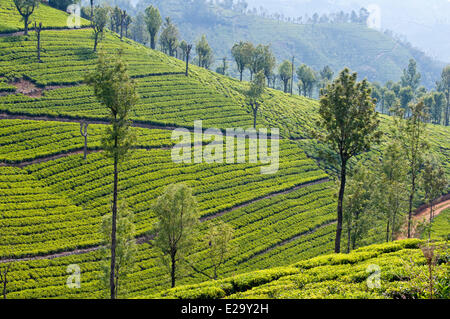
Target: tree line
386 190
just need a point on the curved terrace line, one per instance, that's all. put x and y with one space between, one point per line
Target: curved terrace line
147 238
141 124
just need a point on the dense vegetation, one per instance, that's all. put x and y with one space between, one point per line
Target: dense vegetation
396 270
317 45
52 200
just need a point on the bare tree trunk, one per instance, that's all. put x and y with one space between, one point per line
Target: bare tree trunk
39 47
84 133
387 231
255 114
348 239
173 268
38 34
337 243
292 76
152 41
241 75
411 196
25 21
95 41
411 199
188 52
447 111
187 65
85 147
113 230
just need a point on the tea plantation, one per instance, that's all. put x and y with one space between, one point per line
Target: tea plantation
52 199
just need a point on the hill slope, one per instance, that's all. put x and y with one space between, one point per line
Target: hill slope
372 54
11 21
278 219
351 276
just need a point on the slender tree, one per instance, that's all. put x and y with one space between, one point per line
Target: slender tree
241 53
92 9
292 75
350 124
285 71
410 76
127 22
84 133
307 79
253 95
126 248
183 47
124 18
219 242
257 60
411 133
154 22
99 24
358 204
406 96
434 183
444 86
176 211
224 67
38 29
116 15
169 37
326 75
219 248
114 88
390 101
204 53
188 53
269 62
26 9
391 188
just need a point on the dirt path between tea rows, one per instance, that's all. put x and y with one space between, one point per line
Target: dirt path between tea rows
8 116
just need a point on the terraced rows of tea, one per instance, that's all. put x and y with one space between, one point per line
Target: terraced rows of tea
259 227
335 276
52 199
23 141
57 205
87 184
167 96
